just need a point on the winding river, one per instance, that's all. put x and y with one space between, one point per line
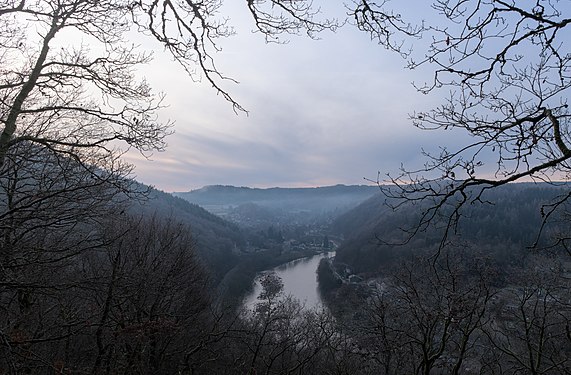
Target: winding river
299 278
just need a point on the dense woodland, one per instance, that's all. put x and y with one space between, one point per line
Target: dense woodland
505 227
492 298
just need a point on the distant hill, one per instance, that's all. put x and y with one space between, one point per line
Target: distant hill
503 230
317 200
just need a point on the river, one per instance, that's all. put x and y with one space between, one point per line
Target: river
299 278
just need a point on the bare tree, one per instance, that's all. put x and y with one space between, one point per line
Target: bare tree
70 104
506 67
52 207
87 95
133 303
529 326
150 294
72 98
427 317
280 336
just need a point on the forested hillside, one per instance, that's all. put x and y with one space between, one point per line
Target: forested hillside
504 226
216 241
490 297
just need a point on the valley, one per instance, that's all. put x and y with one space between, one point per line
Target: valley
277 225
480 288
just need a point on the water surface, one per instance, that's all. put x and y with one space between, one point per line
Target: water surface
299 278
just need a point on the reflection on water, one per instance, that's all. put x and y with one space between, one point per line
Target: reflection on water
300 281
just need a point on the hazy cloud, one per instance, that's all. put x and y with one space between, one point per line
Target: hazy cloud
320 112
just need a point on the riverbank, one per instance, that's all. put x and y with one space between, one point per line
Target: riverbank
299 278
239 282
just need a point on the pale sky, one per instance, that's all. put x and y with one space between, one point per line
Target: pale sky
321 112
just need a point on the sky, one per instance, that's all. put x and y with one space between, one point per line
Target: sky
320 112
